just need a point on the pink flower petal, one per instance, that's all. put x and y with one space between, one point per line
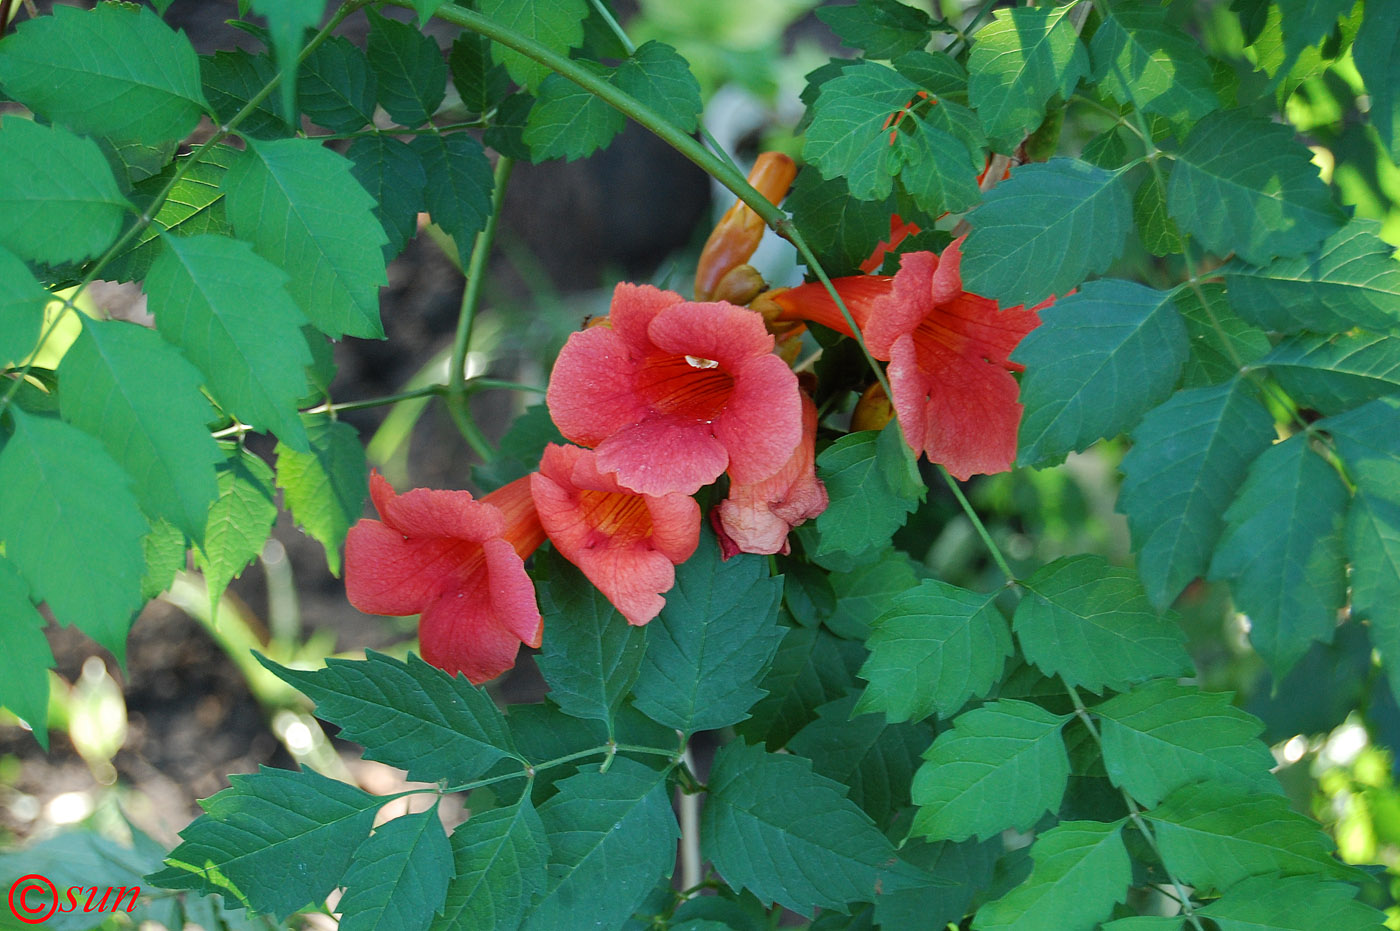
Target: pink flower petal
763 422
665 454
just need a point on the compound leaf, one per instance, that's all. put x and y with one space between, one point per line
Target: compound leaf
399 876
1291 903
409 69
337 88
1081 870
499 858
555 24
325 487
457 192
1336 373
568 121
1142 59
239 520
1019 61
392 172
657 76
873 485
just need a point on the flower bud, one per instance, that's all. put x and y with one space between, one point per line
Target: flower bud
738 232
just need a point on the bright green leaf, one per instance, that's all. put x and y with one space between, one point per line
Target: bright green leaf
391 171
232 79
1142 59
658 77
1376 51
325 488
1002 765
301 208
25 690
399 876
239 522
166 550
287 22
457 193
409 69
499 857
337 88
883 28
568 121
873 484
1102 358
22 302
1019 61
1292 903
1283 551
938 646
1081 870
555 24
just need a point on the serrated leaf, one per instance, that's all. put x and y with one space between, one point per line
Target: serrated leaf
457 193
1100 359
25 691
712 642
239 521
1352 280
132 390
391 171
1019 61
555 24
278 840
1189 457
1336 373
811 668
591 655
227 311
1040 232
611 836
72 527
865 592
1001 766
166 550
871 490
772 826
657 76
194 205
479 83
1292 903
399 876
117 71
409 69
499 859
1212 837
1221 343
568 121
325 488
1142 59
1246 185
22 302
940 163
1162 736
1081 870
1376 52
287 22
231 80
937 646
337 89
883 28
876 759
79 856
303 211
1091 624
1156 228
409 715
58 199
955 873
1283 551
841 229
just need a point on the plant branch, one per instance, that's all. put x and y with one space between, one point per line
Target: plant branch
980 527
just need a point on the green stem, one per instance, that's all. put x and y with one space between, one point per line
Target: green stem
400 131
980 527
607 17
466 318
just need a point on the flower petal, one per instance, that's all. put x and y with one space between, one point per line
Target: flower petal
715 330
429 512
665 454
763 422
633 308
906 304
590 394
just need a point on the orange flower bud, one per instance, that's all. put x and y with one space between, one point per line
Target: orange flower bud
740 284
738 232
873 411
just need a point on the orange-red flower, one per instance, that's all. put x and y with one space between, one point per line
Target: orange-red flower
672 393
756 518
627 544
456 561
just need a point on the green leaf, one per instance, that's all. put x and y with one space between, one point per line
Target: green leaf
1212 837
1221 343
231 80
1189 457
811 668
874 758
194 205
842 230
1308 22
277 841
1102 358
72 527
883 28
1292 903
81 857
409 715
409 69
391 171
772 826
1081 870
712 642
399 876
659 78
1143 60
1001 766
325 488
1376 52
1352 280
955 873
239 521
1245 185
866 592
58 199
941 154
132 390
499 858
25 691
287 22
1040 232
520 449
1156 228
568 121
873 484
555 24
227 311
303 211
591 655
479 83
1283 551
1162 736
1091 624
337 88
117 71
1336 373
22 302
1019 61
938 646
611 836
166 552
457 192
